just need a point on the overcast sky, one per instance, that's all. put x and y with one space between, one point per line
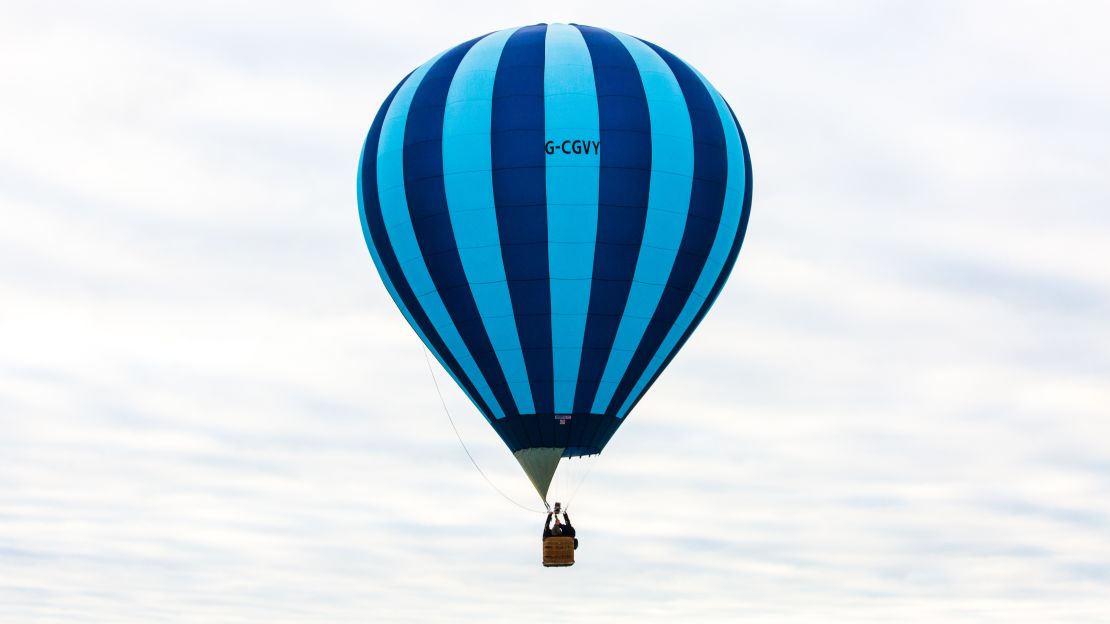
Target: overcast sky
211 411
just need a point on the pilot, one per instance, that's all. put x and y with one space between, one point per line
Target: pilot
560 529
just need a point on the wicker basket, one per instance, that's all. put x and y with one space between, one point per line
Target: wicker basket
558 552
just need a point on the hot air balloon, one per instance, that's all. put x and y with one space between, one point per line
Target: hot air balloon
554 208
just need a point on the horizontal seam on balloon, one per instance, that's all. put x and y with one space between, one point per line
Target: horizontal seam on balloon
709 180
390 227
666 287
545 314
684 254
546 242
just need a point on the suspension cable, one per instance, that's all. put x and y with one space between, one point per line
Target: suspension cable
578 486
443 402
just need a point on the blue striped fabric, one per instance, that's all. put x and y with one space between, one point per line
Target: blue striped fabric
554 209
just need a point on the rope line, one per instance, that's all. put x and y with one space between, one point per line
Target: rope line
589 470
428 361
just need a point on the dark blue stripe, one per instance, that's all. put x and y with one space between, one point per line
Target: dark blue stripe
376 227
622 201
729 263
741 230
706 202
519 190
431 218
427 204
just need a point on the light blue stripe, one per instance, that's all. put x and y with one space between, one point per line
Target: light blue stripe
672 170
570 111
398 223
718 253
468 181
393 290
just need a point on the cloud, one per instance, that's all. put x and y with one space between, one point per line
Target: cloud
211 410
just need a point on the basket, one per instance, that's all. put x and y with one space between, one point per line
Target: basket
558 552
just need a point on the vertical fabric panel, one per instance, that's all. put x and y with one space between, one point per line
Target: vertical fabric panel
431 219
702 222
468 183
399 228
672 148
725 240
570 104
623 185
520 196
373 229
737 161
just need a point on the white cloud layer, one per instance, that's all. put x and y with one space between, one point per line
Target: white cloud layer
898 410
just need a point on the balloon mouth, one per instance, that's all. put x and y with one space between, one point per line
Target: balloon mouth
541 465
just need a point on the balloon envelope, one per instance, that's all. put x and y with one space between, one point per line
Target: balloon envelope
554 208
